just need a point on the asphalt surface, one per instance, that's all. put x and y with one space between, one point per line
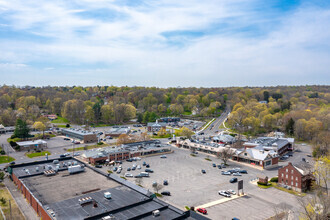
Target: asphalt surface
213 128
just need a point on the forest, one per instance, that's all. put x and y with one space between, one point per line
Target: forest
300 111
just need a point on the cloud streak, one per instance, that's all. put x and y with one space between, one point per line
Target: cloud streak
164 43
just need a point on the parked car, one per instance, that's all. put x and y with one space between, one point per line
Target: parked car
237 174
243 171
76 154
129 160
77 142
166 193
62 155
308 155
224 193
12 163
163 156
115 169
66 139
128 169
219 167
165 182
128 175
214 165
144 163
226 173
133 168
149 170
119 171
223 166
230 191
147 166
202 210
233 180
138 176
138 167
203 171
98 166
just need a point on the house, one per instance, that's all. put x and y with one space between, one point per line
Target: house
298 177
253 156
263 179
152 127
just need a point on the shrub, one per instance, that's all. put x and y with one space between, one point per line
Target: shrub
100 143
67 125
13 136
274 179
13 143
3 201
193 155
109 171
263 184
208 159
2 175
2 152
187 208
17 147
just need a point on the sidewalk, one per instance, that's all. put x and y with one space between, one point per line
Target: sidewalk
217 202
22 204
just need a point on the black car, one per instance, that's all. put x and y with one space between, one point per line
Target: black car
98 166
128 169
138 176
66 139
147 166
165 182
12 163
214 165
219 167
144 163
233 180
115 169
129 160
133 168
243 171
62 155
166 193
203 171
149 170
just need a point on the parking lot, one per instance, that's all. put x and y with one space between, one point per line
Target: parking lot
187 184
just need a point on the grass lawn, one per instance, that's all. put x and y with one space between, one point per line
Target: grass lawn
301 194
38 154
265 187
16 213
163 136
186 113
61 120
4 159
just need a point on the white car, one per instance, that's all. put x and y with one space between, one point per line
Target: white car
230 191
138 167
128 175
163 156
237 174
67 154
224 193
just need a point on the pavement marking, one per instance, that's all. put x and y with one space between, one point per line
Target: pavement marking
217 202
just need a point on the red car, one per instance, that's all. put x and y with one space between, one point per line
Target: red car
202 210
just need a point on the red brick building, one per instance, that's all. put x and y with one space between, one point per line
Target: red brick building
298 177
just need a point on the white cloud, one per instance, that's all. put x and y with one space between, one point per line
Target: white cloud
132 49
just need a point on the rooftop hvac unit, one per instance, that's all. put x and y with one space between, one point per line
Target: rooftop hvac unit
37 169
85 200
156 213
109 217
75 169
49 172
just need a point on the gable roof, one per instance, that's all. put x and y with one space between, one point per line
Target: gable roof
258 154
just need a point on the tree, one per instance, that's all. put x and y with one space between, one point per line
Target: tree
266 96
40 126
225 154
123 139
289 128
21 129
89 115
157 187
186 132
140 118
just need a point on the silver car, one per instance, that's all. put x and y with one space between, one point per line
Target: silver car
224 193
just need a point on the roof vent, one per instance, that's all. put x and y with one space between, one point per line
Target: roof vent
156 213
85 200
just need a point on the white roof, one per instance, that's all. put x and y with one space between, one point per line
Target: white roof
28 143
259 154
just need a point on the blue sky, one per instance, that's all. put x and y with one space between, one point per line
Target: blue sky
165 43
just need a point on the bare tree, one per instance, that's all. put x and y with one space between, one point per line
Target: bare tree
138 181
281 212
157 187
226 154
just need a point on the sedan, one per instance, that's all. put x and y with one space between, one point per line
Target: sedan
224 193
214 165
233 180
163 156
128 175
237 174
202 210
219 167
203 171
226 173
166 193
128 169
230 191
165 182
243 171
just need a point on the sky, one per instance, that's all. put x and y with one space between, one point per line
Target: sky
165 43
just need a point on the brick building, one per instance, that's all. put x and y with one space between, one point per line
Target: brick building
298 177
152 127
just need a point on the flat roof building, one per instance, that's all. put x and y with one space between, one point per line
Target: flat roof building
32 145
82 195
116 131
278 145
83 135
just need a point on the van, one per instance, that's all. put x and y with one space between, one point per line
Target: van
144 174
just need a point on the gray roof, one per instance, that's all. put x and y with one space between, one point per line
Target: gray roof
259 154
303 167
29 143
268 143
156 124
76 131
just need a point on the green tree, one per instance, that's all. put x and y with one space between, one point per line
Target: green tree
40 126
21 129
289 128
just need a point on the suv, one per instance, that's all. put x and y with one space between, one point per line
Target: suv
165 182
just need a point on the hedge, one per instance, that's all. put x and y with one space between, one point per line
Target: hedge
274 179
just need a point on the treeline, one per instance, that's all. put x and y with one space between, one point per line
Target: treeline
303 114
107 104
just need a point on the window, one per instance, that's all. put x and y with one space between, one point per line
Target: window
296 184
245 154
292 171
296 178
292 177
286 176
282 174
291 183
286 170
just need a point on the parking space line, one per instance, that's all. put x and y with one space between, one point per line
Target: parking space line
219 201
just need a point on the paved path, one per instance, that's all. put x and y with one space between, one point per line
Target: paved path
25 207
217 202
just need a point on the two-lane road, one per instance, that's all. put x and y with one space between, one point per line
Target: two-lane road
214 127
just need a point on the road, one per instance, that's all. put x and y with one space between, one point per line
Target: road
214 127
